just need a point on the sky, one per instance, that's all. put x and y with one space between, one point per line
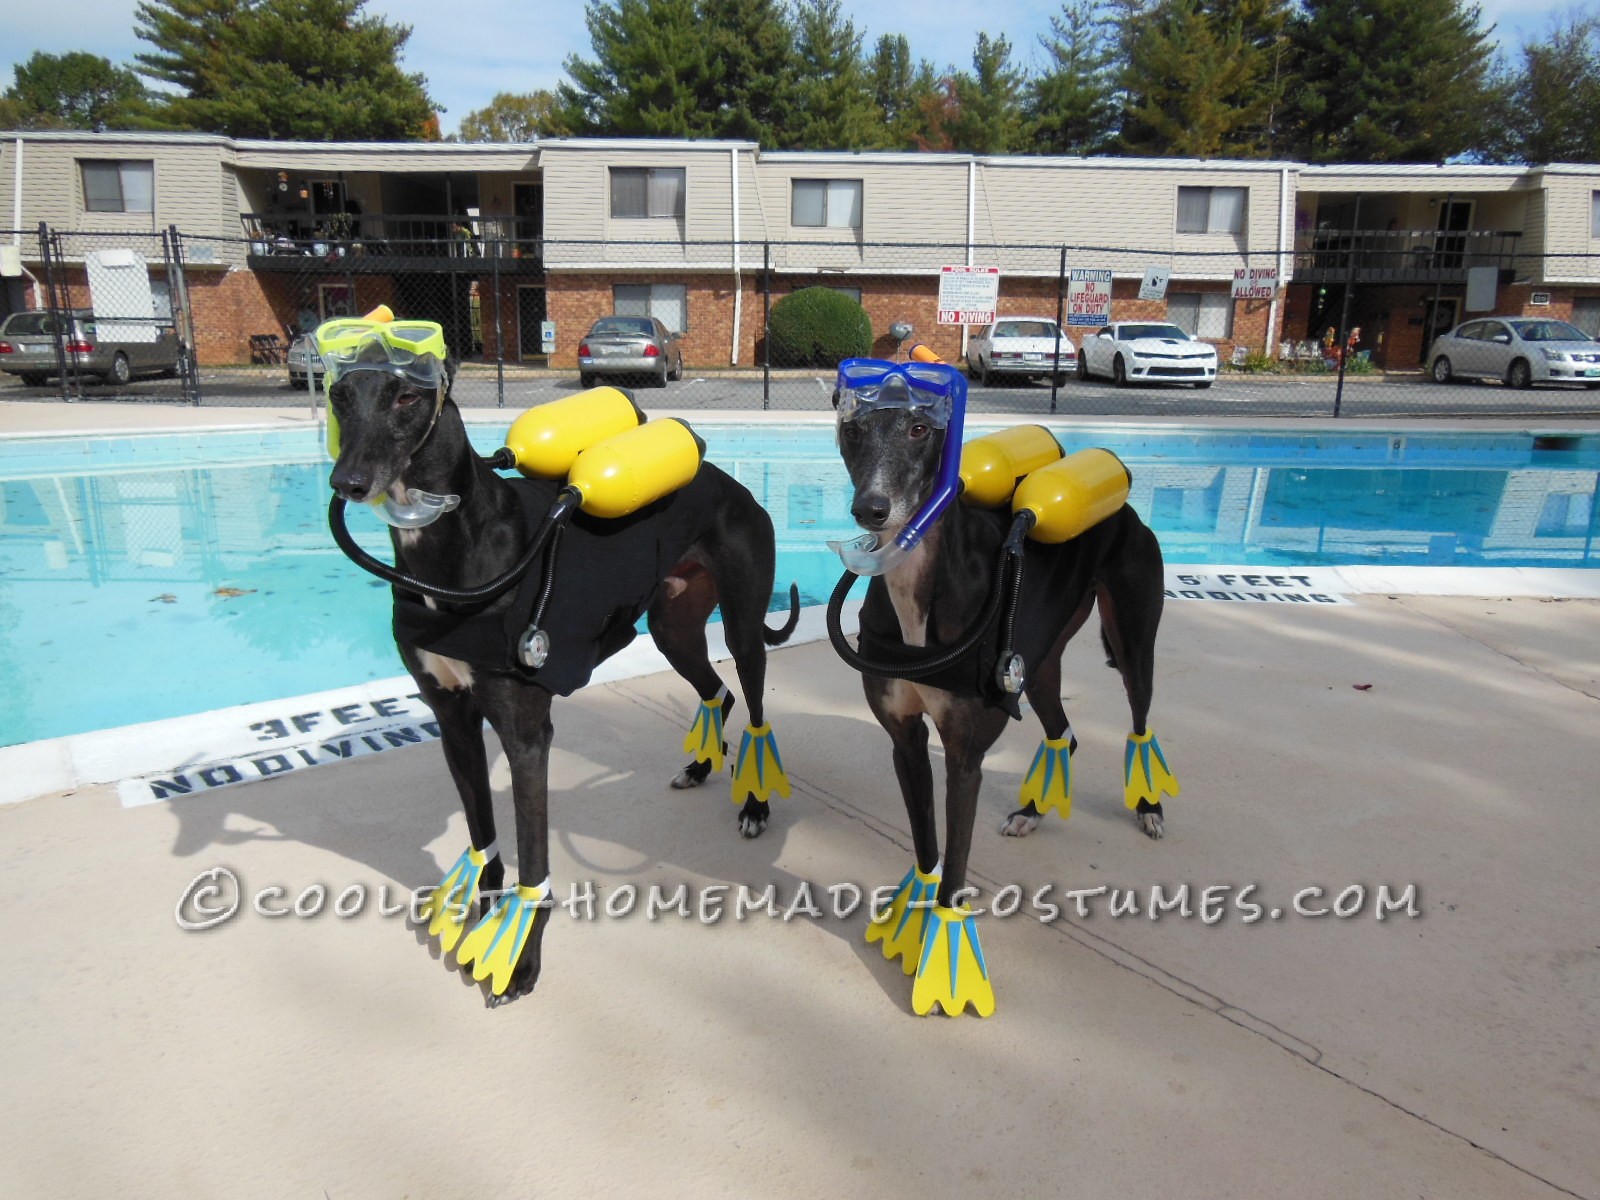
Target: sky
471 49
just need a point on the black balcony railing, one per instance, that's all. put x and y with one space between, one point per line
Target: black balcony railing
284 241
1400 255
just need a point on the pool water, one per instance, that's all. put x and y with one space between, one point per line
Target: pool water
151 576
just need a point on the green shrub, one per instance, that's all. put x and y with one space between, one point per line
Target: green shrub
817 327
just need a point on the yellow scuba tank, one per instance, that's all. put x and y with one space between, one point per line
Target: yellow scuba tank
992 464
1072 495
547 440
625 472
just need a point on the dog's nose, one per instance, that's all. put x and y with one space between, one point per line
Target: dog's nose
351 483
871 512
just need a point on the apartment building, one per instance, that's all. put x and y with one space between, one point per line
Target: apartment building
522 246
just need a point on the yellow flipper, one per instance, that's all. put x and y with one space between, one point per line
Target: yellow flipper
1145 773
759 771
903 923
1048 783
704 739
496 942
951 972
447 909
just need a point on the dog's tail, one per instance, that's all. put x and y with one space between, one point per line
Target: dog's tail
777 637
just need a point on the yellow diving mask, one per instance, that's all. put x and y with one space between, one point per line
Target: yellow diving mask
409 350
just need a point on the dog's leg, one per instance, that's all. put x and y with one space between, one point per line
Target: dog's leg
1049 777
461 734
677 622
1130 616
951 970
505 946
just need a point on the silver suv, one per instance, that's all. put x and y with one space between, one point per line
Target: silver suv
28 350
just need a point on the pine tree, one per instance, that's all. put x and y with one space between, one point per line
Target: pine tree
316 70
752 68
650 75
1550 106
76 91
990 120
1390 80
1197 78
1071 105
832 105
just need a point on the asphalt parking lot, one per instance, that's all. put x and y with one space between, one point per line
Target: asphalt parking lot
480 386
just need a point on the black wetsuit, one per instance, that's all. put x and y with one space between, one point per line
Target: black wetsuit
606 575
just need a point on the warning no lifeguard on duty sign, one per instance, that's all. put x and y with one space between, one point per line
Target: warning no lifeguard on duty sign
968 295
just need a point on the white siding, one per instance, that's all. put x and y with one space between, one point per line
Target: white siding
1569 226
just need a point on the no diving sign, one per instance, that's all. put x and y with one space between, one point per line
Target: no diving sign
968 295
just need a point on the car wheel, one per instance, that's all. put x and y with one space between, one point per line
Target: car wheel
677 371
1202 385
983 372
121 370
1119 372
666 374
32 379
1442 371
1061 378
1519 375
585 380
1591 386
1083 368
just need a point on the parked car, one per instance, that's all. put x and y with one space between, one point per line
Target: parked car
1522 351
621 346
303 356
1135 351
28 350
1021 347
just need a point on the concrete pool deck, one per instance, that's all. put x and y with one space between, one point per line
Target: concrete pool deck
1448 1055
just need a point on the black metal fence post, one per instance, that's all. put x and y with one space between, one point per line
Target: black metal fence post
60 320
499 332
1340 347
766 326
182 317
1061 315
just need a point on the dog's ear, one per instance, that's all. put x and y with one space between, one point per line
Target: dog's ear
449 375
836 397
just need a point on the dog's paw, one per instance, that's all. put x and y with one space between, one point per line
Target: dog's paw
753 818
1020 823
692 776
1152 823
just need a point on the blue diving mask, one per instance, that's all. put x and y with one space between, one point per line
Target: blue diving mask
413 351
938 391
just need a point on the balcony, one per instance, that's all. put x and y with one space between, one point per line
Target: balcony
1401 255
384 243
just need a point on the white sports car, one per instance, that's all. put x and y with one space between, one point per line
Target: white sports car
1135 351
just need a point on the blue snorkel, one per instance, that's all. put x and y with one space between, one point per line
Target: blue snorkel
939 390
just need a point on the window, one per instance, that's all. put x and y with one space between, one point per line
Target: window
1201 314
125 187
1594 214
647 191
1586 315
666 302
1211 209
826 203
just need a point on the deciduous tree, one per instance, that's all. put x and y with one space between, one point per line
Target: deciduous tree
513 117
1551 106
76 91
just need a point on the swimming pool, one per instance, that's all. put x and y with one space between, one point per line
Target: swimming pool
155 575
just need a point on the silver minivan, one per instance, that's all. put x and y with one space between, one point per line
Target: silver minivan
28 350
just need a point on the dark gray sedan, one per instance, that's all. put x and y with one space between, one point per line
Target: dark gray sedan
630 346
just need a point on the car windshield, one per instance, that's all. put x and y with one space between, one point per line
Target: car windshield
1549 331
1129 332
1025 329
629 325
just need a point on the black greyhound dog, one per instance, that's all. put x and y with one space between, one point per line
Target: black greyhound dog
934 596
398 438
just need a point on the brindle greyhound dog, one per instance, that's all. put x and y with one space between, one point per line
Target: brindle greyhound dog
939 591
398 438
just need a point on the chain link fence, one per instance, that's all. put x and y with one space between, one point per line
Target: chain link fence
223 321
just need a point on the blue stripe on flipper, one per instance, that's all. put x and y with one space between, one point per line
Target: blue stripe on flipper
977 950
953 932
